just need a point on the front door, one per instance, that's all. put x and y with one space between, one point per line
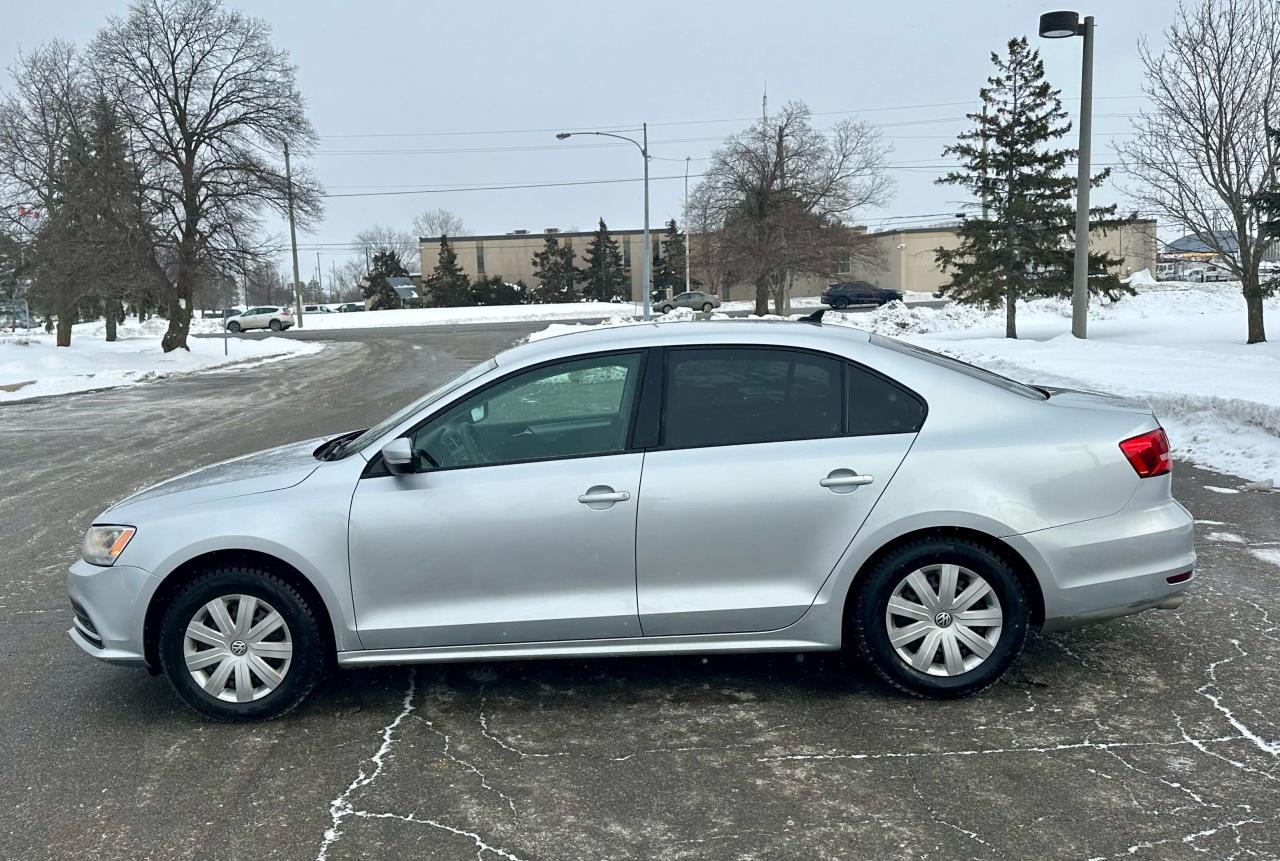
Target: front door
770 462
518 524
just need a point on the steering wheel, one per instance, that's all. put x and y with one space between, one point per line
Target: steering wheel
475 453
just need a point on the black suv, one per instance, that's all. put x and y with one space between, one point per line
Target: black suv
847 293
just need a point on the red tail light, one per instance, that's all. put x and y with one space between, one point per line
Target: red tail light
1148 453
285 312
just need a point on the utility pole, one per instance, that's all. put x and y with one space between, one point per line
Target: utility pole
648 249
293 238
1080 282
688 285
319 280
333 281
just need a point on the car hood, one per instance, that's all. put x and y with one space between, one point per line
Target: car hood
272 469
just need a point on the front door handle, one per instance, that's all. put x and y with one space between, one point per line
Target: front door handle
602 496
845 481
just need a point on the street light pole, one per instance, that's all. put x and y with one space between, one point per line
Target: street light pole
648 250
687 285
293 239
1060 25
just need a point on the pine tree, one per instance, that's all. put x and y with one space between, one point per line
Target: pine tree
447 285
1023 248
604 278
556 274
1268 203
378 292
495 291
669 273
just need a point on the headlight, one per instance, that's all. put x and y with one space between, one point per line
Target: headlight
102 544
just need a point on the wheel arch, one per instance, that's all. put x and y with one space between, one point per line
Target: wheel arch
1025 573
193 567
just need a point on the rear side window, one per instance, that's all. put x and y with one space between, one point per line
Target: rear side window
738 395
877 406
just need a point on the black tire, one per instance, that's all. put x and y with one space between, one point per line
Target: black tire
707 307
664 309
866 627
840 303
233 327
275 325
308 662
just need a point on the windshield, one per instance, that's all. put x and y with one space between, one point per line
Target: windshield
982 374
386 425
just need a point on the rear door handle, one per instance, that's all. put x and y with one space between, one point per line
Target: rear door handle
603 496
845 480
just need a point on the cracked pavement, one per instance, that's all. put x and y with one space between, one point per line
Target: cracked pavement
1154 736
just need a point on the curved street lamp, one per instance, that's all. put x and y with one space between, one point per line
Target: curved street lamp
1063 25
644 152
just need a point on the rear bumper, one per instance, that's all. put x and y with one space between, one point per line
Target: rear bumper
1112 566
110 606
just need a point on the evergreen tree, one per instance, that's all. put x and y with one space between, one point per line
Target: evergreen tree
447 285
604 278
495 291
1268 203
669 273
1022 245
556 274
378 292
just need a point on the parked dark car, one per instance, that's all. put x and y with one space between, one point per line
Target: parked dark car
349 307
846 293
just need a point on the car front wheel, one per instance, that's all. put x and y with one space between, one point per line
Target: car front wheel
233 327
239 643
940 617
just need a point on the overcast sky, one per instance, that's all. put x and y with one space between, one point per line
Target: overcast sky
475 91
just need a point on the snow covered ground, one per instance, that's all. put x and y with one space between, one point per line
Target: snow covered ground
32 366
1178 346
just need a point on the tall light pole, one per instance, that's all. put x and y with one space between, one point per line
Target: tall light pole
293 239
687 285
1062 25
644 152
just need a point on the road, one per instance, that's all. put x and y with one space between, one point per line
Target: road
1156 736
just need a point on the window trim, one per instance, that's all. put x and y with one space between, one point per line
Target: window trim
844 363
377 469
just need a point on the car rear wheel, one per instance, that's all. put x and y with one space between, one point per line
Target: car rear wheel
707 307
940 618
241 644
840 303
233 327
275 325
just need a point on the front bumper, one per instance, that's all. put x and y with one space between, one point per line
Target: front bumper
111 605
1112 566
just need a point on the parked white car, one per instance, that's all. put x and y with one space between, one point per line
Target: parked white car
273 317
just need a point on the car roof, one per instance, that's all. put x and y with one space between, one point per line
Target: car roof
785 333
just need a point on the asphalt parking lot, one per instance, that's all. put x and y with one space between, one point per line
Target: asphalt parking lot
1155 736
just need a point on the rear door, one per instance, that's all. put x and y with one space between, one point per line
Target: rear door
769 461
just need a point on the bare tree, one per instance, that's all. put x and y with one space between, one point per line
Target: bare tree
781 194
1201 156
209 102
377 239
434 223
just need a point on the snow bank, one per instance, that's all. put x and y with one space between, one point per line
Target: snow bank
452 316
32 366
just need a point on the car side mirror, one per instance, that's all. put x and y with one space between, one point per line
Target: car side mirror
398 456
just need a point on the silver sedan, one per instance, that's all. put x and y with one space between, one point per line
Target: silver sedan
814 487
694 299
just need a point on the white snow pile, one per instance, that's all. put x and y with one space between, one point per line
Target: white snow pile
453 316
32 366
1179 346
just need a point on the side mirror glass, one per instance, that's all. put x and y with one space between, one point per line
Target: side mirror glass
398 456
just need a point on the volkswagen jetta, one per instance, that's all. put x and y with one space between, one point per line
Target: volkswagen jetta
722 486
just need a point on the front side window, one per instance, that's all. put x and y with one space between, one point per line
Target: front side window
738 395
576 408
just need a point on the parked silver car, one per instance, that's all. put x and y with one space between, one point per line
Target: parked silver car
695 299
274 317
805 487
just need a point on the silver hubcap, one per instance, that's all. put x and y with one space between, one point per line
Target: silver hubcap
943 620
238 648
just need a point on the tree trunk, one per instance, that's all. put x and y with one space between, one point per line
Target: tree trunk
175 338
1010 311
111 319
1252 290
66 315
762 297
782 296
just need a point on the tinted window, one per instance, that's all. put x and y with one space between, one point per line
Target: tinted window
877 406
569 409
742 395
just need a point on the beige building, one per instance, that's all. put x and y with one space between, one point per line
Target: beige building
510 255
904 259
